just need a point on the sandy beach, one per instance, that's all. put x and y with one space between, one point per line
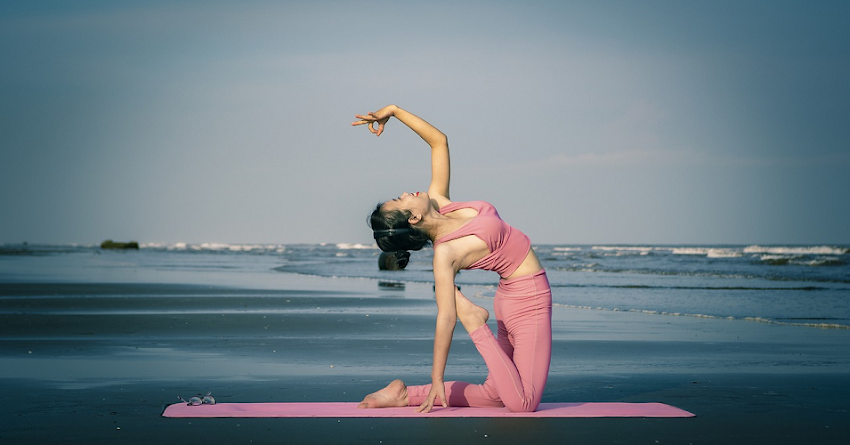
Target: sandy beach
94 360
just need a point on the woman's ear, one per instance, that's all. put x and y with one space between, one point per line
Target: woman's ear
414 219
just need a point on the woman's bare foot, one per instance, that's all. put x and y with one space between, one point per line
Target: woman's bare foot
394 394
470 314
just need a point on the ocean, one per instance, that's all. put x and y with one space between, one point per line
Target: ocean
808 286
94 342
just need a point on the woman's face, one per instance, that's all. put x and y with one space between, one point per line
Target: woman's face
416 203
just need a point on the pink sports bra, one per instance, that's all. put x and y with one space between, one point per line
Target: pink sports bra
508 246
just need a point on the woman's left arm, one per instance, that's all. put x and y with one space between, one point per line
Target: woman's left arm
444 273
439 143
436 139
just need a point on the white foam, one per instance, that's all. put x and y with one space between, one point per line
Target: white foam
797 250
350 246
710 252
724 253
690 251
211 246
216 247
623 248
820 261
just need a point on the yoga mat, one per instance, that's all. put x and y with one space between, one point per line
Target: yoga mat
349 409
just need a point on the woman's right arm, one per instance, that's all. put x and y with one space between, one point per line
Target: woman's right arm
445 269
439 143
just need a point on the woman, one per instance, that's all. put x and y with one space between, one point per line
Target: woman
467 235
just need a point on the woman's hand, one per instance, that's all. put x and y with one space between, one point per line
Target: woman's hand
380 117
438 389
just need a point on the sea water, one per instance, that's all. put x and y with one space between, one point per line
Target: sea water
798 285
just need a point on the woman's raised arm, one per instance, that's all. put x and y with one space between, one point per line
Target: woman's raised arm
439 143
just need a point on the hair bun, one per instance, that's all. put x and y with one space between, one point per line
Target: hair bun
393 260
402 257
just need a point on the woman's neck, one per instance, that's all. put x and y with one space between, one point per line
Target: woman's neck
437 225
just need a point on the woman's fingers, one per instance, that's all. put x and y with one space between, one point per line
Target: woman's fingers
425 407
441 393
438 390
428 403
370 120
370 126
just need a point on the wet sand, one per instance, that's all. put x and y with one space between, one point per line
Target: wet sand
92 363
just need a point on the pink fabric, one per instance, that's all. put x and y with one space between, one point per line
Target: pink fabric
508 246
349 409
518 359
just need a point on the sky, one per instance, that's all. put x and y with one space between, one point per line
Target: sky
583 122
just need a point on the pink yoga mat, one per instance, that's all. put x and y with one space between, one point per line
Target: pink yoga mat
349 409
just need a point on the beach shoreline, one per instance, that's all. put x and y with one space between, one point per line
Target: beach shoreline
95 359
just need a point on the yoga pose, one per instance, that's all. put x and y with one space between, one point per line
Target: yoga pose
467 235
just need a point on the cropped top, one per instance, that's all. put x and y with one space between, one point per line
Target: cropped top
508 246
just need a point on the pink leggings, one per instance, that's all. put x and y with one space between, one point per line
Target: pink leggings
518 359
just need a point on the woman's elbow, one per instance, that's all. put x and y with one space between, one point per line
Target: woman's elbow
439 140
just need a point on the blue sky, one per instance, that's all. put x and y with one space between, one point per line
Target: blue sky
583 122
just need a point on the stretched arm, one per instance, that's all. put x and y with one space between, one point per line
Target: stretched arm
444 284
440 165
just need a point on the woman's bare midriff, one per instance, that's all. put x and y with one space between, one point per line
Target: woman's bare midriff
529 265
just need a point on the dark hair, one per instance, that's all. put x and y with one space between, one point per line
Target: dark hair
393 231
